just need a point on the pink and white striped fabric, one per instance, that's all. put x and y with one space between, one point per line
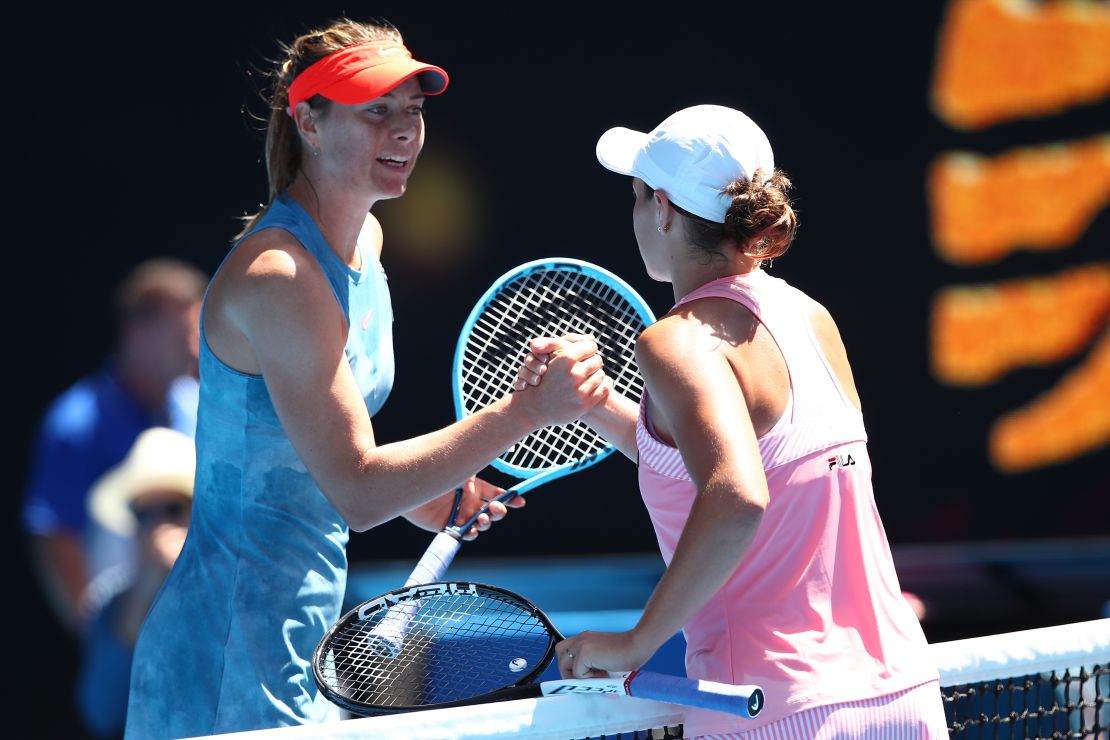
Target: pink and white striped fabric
813 613
913 714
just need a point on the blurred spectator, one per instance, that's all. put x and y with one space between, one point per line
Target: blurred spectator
149 496
149 380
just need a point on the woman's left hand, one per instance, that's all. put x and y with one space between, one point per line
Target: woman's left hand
597 654
432 516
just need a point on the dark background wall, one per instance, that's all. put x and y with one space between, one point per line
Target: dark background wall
130 135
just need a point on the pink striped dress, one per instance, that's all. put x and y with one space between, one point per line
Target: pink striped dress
813 613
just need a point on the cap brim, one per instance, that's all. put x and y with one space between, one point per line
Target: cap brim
374 82
110 500
617 149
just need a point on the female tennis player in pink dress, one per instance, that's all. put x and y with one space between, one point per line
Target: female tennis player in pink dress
752 459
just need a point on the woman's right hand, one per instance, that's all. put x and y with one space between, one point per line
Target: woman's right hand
574 380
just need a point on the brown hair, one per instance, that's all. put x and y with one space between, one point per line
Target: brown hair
760 221
283 144
158 279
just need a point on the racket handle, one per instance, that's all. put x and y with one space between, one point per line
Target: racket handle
436 559
746 701
388 636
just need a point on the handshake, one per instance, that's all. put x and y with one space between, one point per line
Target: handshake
563 378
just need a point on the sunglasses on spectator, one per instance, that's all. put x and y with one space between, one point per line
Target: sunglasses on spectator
167 511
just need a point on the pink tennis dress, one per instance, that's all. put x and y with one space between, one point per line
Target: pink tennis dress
813 613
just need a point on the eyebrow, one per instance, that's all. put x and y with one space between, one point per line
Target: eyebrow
415 96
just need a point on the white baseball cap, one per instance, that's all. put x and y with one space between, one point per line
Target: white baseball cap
692 156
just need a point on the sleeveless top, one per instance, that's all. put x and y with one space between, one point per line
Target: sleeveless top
229 641
813 613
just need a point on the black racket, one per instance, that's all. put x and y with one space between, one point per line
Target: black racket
468 643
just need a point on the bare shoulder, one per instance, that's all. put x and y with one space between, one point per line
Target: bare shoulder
818 314
698 328
674 340
272 254
824 326
270 284
832 345
275 267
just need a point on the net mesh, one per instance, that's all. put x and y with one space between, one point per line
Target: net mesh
1047 683
549 302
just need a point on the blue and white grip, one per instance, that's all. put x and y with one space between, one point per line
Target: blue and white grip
745 701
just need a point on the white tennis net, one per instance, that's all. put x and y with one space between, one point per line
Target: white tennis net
1052 682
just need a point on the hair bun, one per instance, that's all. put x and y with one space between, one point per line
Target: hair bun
761 217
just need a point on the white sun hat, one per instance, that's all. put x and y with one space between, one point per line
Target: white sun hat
692 156
161 459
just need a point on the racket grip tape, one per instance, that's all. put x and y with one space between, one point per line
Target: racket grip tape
746 701
436 559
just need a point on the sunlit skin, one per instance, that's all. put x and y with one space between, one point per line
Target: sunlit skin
650 231
716 381
353 157
270 311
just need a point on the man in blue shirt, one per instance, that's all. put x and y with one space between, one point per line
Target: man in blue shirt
150 380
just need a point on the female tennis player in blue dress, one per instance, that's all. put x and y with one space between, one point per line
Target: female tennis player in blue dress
296 356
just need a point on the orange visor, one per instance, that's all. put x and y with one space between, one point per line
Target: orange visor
363 72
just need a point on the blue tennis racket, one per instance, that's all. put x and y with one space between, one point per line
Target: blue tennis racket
548 297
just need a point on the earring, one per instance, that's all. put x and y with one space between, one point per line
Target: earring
662 229
315 152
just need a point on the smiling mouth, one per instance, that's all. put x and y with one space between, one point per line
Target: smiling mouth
397 162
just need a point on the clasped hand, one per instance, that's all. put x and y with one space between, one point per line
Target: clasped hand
564 376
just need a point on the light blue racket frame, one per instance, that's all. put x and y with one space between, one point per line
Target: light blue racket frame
441 552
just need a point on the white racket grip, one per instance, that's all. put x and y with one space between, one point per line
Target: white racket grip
388 636
437 558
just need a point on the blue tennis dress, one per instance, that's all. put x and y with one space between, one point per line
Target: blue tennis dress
228 643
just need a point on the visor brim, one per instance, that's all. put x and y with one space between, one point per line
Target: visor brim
374 82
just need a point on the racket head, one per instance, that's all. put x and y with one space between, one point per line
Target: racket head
548 297
465 643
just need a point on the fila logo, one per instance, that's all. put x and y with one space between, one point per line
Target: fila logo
841 460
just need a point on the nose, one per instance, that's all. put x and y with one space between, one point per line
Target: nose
405 126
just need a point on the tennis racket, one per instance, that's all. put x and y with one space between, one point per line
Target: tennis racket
468 643
548 297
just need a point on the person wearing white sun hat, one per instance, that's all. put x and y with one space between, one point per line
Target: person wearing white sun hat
752 459
148 497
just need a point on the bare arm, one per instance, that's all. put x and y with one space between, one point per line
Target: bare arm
60 566
278 303
832 345
695 394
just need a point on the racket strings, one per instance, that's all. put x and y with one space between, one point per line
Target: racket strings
550 303
457 646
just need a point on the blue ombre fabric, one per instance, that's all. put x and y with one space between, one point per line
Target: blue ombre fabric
228 643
